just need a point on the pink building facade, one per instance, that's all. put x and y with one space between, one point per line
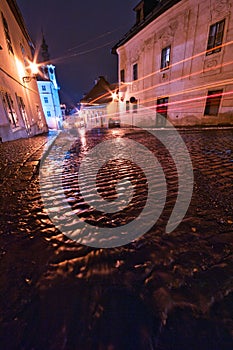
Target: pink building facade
21 113
177 60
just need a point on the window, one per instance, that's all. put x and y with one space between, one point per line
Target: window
213 101
127 106
135 106
23 112
48 114
24 55
43 88
165 57
7 35
135 71
161 111
38 113
9 109
215 37
122 75
46 100
138 15
139 9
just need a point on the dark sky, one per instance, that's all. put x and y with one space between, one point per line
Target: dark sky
85 29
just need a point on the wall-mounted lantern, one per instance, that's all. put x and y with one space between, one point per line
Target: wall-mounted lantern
34 69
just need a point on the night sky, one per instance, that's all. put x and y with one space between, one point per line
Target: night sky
80 35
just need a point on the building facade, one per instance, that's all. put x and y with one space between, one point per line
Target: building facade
21 113
99 107
177 60
49 94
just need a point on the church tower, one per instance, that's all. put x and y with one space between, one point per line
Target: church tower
48 89
44 50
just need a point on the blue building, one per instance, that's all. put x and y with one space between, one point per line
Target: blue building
49 91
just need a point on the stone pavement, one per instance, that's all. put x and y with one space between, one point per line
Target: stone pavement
163 291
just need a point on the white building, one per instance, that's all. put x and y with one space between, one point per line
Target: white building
99 107
48 89
21 113
177 60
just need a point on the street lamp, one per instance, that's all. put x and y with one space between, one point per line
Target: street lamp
33 66
27 79
114 96
34 71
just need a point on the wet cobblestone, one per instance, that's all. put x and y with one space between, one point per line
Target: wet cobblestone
163 291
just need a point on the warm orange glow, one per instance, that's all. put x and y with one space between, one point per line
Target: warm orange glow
20 67
82 134
114 96
34 67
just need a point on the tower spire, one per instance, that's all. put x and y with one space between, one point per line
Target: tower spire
44 49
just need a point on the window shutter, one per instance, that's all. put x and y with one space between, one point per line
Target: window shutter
219 34
212 34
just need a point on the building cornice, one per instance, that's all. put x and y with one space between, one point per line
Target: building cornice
158 10
19 18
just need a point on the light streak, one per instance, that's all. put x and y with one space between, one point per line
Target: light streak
183 77
174 80
199 98
183 91
173 106
182 61
58 59
195 89
94 39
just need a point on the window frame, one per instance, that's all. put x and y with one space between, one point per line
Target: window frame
138 15
162 111
127 106
8 105
7 34
215 37
213 102
122 76
46 99
135 71
23 113
24 55
164 64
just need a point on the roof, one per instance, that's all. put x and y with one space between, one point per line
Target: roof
101 93
152 10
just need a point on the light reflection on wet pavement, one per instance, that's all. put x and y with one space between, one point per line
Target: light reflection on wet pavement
163 291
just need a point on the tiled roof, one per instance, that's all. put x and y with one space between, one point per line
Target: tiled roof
101 93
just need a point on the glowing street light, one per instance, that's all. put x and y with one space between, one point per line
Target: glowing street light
34 68
114 96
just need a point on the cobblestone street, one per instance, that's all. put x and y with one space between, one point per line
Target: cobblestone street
164 291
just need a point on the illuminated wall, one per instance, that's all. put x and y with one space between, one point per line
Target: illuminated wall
50 100
183 56
21 113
